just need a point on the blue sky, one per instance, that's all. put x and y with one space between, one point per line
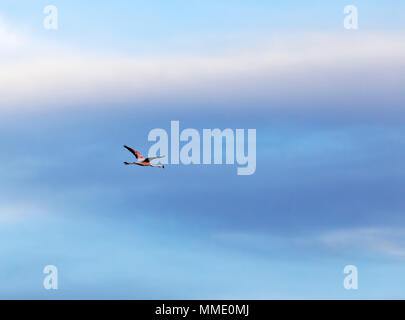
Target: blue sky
327 104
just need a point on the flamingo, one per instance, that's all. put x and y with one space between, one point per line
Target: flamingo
141 160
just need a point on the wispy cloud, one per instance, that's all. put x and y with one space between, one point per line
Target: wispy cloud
388 242
48 76
10 42
16 212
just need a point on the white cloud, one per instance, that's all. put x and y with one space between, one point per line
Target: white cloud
9 41
45 75
17 212
386 241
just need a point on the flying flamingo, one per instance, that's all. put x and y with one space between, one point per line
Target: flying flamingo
141 160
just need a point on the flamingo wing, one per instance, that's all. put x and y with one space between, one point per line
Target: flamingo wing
135 153
152 158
